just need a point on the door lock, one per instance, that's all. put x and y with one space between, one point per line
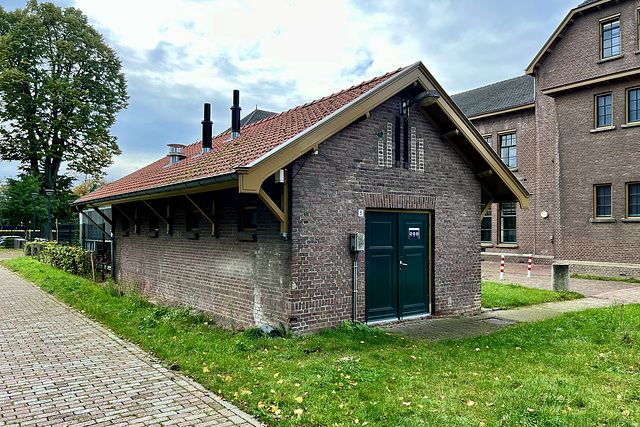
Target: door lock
403 264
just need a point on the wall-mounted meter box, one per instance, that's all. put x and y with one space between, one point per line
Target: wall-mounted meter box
356 242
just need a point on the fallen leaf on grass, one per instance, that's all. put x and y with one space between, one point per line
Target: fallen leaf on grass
299 399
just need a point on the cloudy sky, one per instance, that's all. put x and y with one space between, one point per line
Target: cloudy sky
179 54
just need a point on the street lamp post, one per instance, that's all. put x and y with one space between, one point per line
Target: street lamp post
34 196
49 193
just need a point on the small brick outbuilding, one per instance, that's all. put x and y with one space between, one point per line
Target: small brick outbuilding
256 229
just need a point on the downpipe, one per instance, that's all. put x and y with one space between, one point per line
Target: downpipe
355 287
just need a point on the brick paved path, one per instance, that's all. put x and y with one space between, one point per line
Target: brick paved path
59 368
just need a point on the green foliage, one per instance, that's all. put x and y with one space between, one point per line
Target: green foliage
507 295
579 369
7 243
72 259
61 87
608 279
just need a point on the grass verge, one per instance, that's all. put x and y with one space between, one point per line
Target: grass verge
581 369
608 279
506 295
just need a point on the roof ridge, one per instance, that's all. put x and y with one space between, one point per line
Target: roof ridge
491 84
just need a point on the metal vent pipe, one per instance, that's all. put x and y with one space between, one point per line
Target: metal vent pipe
235 115
207 128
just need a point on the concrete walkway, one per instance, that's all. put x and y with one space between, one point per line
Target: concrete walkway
597 293
59 368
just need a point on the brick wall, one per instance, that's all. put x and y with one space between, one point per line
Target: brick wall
241 282
590 158
576 56
523 122
329 188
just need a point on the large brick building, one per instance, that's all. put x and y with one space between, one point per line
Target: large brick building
255 227
569 130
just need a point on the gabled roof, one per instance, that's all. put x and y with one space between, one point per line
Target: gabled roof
272 143
501 96
568 20
254 116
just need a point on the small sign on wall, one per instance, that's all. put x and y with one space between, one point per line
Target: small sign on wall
414 233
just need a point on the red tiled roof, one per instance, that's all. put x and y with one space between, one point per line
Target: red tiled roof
256 140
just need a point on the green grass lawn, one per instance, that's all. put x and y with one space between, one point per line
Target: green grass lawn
581 369
506 295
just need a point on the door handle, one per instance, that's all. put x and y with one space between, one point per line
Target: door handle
403 264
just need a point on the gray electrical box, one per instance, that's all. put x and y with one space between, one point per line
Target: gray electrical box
356 242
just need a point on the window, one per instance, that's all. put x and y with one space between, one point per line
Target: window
487 139
249 220
602 196
508 222
633 105
633 200
193 219
485 227
610 38
603 110
508 149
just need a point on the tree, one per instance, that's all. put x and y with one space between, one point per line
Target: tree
60 90
16 203
87 186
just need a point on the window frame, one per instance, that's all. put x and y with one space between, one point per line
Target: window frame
597 110
628 200
595 201
193 219
487 218
628 107
604 22
509 133
502 228
244 224
488 138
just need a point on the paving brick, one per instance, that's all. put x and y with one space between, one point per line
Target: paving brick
73 371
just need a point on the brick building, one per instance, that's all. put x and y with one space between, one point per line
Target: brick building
255 227
568 129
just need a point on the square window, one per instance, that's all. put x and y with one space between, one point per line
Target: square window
633 105
485 227
603 110
508 222
610 38
633 200
249 220
508 149
602 201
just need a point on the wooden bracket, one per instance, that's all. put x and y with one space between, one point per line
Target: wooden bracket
135 224
204 213
486 208
165 220
106 218
98 226
281 214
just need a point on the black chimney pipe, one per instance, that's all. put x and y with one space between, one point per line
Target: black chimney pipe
206 128
235 114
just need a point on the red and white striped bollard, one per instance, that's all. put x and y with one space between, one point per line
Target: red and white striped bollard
501 267
529 267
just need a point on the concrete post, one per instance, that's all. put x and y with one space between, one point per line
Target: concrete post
560 277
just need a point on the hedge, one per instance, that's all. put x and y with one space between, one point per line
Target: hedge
72 259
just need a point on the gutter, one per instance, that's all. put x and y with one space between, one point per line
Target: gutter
185 185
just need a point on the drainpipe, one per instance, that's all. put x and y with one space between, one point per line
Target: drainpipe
356 244
355 287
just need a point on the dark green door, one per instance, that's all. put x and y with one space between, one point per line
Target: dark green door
396 265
